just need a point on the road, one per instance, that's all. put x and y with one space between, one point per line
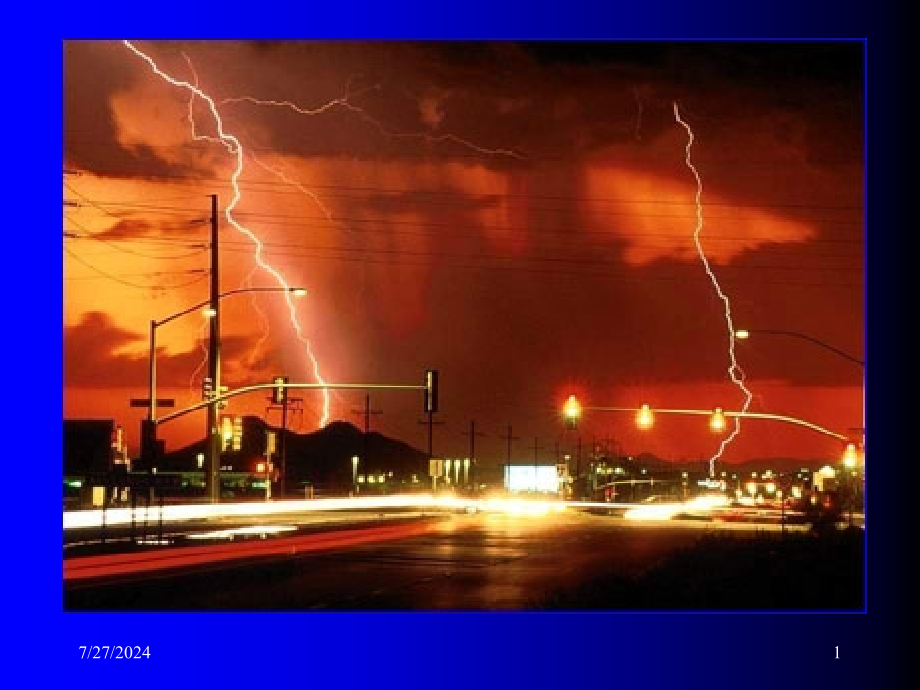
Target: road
453 562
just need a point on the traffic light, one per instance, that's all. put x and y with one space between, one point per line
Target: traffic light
431 391
279 392
207 388
571 411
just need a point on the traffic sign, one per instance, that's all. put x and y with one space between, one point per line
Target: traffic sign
145 402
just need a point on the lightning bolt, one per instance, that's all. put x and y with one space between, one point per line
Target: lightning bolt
234 147
344 102
204 353
253 354
734 370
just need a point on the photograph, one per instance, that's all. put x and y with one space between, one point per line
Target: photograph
463 326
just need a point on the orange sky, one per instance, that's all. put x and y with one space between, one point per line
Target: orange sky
569 265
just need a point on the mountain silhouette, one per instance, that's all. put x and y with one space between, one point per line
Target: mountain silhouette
320 457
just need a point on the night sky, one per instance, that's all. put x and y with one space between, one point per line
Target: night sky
518 216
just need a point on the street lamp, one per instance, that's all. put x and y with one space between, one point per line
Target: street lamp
717 421
849 456
745 333
849 462
354 473
210 310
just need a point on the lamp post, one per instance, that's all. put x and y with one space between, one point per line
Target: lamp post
745 333
850 453
849 464
210 310
354 474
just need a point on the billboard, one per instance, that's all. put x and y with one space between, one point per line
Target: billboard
539 478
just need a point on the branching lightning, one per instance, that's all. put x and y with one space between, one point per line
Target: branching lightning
233 146
204 358
734 370
263 319
344 102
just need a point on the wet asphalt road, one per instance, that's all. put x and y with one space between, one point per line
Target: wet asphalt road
476 562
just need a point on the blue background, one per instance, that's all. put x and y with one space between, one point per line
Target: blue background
423 650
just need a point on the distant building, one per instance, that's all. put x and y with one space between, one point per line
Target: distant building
825 479
88 446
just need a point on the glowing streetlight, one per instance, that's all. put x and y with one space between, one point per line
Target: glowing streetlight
745 333
644 418
571 411
717 420
849 456
209 309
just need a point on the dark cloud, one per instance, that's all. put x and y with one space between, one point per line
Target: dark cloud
93 72
92 360
129 228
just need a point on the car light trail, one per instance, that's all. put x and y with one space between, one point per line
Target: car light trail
734 371
242 531
233 146
83 519
135 563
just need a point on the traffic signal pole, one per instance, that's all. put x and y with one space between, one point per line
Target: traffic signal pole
213 432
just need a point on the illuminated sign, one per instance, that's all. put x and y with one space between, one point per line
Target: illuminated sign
226 432
237 433
540 478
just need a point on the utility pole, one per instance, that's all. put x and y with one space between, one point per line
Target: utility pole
296 404
213 432
430 422
509 438
535 449
367 411
578 467
472 433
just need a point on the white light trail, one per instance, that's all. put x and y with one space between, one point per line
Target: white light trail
526 507
734 370
233 146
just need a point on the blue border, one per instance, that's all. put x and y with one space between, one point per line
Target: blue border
224 649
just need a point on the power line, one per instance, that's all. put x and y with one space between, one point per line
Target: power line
478 197
269 218
127 283
127 250
644 158
235 246
529 269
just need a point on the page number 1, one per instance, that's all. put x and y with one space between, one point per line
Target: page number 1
837 652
